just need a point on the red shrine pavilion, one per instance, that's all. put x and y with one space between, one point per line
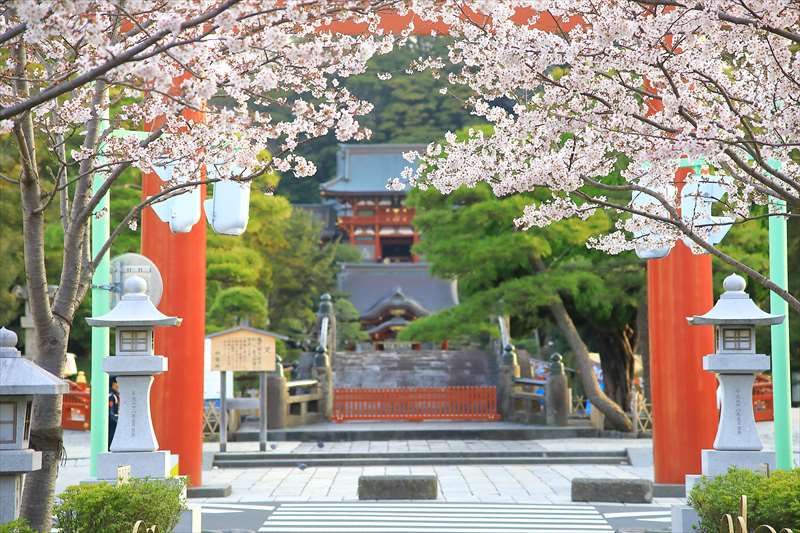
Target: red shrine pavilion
391 287
373 217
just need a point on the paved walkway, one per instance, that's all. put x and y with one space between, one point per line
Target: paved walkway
472 483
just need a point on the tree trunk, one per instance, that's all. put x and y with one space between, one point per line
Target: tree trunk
615 416
46 436
52 330
616 357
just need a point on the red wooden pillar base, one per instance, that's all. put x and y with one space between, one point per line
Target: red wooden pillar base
683 394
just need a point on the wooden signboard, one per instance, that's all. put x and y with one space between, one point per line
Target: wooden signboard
242 349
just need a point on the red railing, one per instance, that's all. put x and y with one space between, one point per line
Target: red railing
418 403
77 408
762 399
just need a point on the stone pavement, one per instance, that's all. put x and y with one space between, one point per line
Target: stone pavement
473 483
468 483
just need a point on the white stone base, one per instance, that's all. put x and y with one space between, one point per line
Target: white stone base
190 521
156 464
717 462
684 519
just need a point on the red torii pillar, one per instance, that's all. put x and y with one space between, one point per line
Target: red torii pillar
177 395
683 394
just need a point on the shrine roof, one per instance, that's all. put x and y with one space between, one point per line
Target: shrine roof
367 168
370 284
394 322
397 299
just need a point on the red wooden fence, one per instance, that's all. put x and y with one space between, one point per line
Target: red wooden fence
417 403
762 399
77 407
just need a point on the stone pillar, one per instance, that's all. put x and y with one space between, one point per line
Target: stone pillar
509 370
277 398
323 373
557 400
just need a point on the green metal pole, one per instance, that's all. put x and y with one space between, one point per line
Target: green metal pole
101 304
781 383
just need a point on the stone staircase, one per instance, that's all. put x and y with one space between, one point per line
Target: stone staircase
412 368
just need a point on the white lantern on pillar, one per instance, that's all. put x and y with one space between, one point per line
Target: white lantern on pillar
228 210
181 211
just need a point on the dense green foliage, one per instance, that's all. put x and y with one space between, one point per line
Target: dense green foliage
408 108
95 507
17 526
772 500
469 235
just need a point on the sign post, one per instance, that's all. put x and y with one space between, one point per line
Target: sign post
243 349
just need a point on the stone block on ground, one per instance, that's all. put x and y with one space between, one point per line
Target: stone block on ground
209 491
612 490
398 487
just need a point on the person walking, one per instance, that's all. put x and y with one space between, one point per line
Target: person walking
113 408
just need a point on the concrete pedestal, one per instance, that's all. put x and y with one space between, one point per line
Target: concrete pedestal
157 465
717 462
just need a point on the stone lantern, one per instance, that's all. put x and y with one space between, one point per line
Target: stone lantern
20 380
735 318
134 365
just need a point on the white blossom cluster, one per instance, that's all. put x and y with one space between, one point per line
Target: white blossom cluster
266 73
576 89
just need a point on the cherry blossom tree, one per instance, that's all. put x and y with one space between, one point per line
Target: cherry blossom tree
596 102
74 71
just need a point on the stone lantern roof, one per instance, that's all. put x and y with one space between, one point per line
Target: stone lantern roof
21 377
735 307
134 309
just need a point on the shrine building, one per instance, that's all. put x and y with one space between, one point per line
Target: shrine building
392 286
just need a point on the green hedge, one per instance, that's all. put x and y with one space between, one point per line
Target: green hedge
772 500
91 508
16 526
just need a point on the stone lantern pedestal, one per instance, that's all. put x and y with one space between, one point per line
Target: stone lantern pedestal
135 441
735 364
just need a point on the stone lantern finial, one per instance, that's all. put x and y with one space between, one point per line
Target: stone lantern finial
8 339
734 283
135 285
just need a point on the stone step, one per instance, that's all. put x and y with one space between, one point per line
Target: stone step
416 431
269 460
322 454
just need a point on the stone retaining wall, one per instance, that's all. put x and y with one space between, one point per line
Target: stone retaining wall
425 368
